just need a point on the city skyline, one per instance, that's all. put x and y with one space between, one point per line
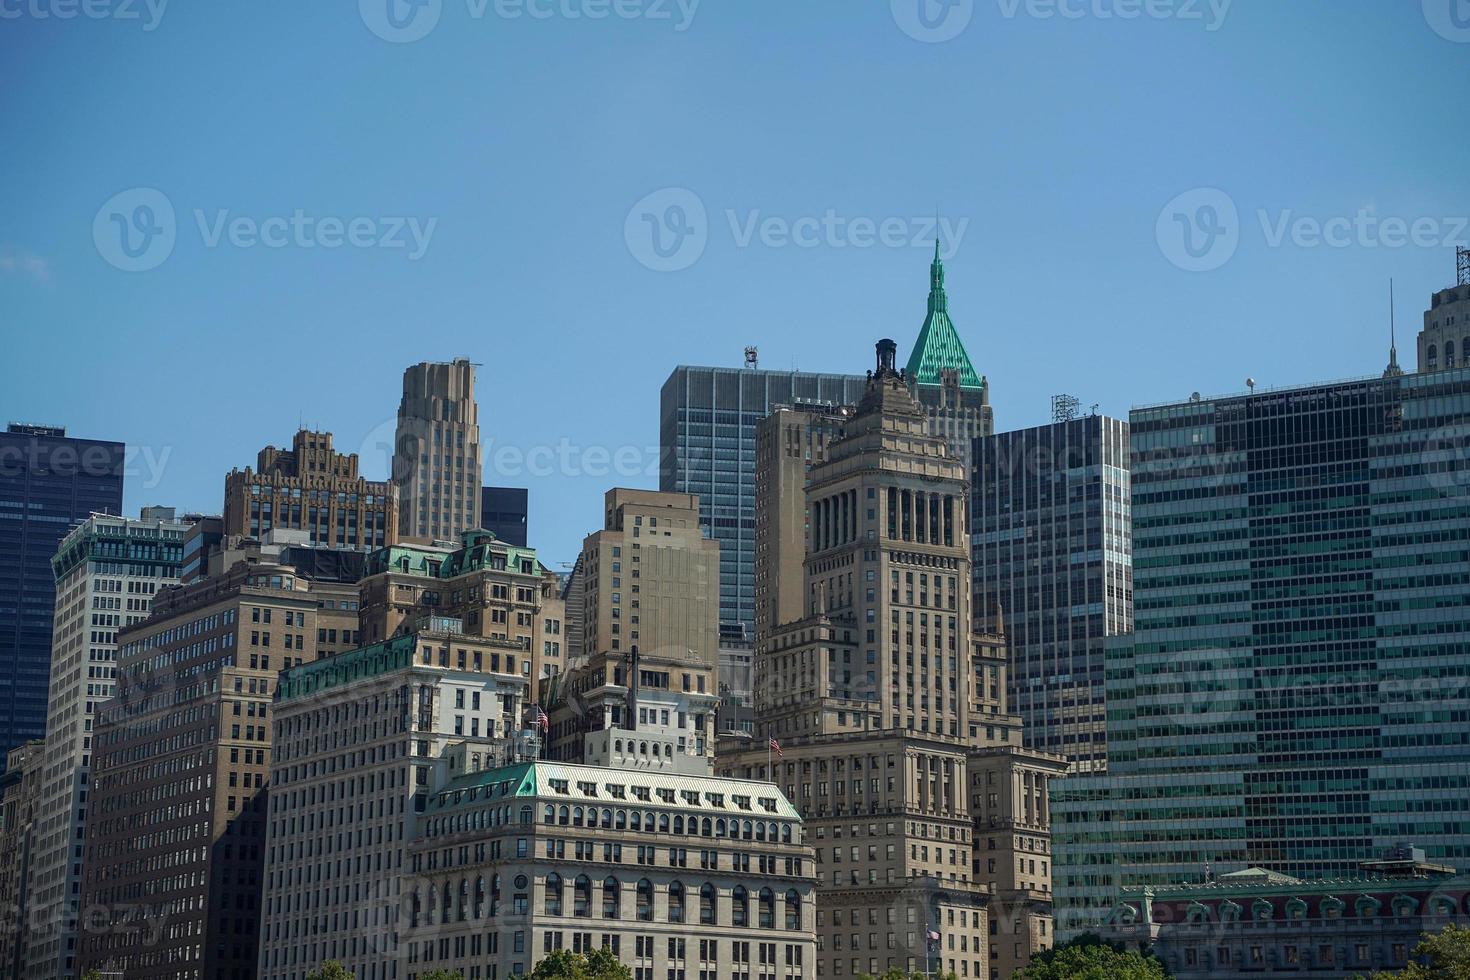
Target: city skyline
517 242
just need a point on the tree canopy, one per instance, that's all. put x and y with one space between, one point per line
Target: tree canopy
1440 956
330 970
1089 958
896 974
600 964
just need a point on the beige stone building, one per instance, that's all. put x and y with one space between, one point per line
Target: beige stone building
181 757
311 487
1444 342
436 452
496 590
886 706
788 443
679 876
645 690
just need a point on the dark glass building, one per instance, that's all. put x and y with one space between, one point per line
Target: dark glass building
1294 694
1052 550
503 513
707 423
48 484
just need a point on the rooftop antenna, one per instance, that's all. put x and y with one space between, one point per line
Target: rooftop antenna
1462 265
1393 370
1251 384
1064 407
752 358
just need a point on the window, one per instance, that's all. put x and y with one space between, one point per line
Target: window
553 894
676 902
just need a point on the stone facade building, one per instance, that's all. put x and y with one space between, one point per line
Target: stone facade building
20 794
181 758
880 708
1446 333
679 876
436 452
311 487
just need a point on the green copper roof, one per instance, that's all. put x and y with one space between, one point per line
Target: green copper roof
939 346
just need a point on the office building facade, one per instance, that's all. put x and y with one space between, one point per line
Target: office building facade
1292 696
707 441
311 487
1445 335
20 796
48 483
1050 533
108 569
436 452
362 741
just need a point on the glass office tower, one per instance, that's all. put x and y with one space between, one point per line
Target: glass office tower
707 424
48 484
1295 694
1050 533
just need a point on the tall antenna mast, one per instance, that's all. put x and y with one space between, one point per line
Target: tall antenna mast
1462 265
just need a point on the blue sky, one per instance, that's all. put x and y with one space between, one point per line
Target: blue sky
1074 145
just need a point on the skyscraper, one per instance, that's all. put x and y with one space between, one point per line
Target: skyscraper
313 488
107 571
955 398
1051 539
1444 341
436 452
885 713
48 482
1292 697
707 441
503 512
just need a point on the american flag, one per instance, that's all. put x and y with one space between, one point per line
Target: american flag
775 746
933 936
541 720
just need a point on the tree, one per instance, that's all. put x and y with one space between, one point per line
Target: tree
897 974
1089 958
1441 956
600 964
442 975
330 970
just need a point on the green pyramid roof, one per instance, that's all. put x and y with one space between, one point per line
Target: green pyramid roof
939 346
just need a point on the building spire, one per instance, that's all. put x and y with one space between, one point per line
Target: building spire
1393 370
938 301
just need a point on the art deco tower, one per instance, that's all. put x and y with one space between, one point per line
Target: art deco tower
436 452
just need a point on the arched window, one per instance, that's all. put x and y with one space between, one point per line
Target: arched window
645 900
464 898
760 830
739 906
444 908
582 897
678 824
707 904
610 897
663 823
576 816
1432 355
606 817
793 910
494 896
767 909
553 894
526 812
676 902
564 816
720 828
635 822
1449 353
415 909
786 833
479 897
549 814
704 827
622 820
